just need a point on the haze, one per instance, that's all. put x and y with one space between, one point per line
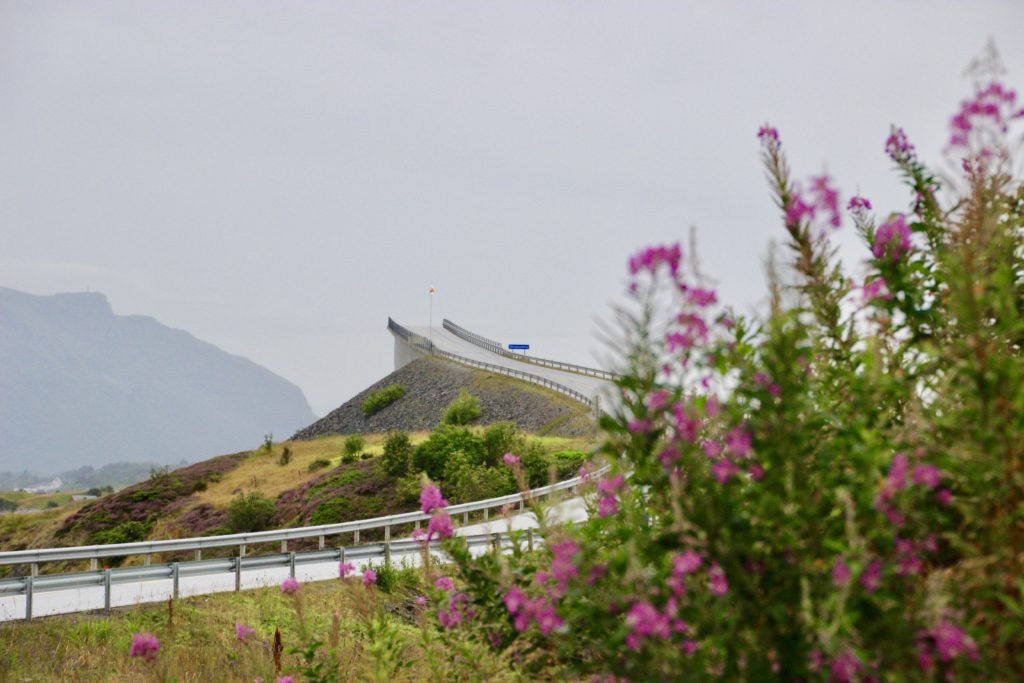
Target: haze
279 177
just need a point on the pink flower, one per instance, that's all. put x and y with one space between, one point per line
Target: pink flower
652 258
431 499
242 631
798 209
840 573
445 583
858 205
645 621
418 534
892 238
876 289
723 470
945 497
369 578
756 472
845 667
717 582
144 645
826 198
898 147
951 641
290 586
927 475
657 400
421 600
510 459
640 426
345 568
871 579
286 679
767 134
686 563
608 501
738 441
440 524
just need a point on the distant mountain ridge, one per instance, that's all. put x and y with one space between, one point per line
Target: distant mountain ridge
82 386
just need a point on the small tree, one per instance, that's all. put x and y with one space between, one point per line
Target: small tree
463 410
397 454
354 444
286 457
250 512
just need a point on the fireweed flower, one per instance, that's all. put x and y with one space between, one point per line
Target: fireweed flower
421 600
723 470
608 500
652 258
951 641
717 582
826 199
927 475
641 426
510 459
657 400
876 289
686 563
242 631
858 205
431 499
845 667
445 583
892 238
984 117
286 679
441 525
898 147
290 586
871 579
418 534
345 568
841 573
144 645
738 441
369 578
767 134
645 621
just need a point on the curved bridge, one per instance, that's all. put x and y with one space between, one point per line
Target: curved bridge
589 386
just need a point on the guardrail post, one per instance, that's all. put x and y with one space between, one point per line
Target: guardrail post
355 537
174 579
106 589
94 564
321 539
199 554
284 546
241 550
28 597
522 504
529 539
34 569
291 564
341 554
486 514
465 517
147 560
238 573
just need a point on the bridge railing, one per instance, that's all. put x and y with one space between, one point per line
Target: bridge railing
427 346
34 582
495 347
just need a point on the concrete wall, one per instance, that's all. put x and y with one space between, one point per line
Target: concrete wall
405 353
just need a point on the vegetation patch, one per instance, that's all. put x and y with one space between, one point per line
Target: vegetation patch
382 398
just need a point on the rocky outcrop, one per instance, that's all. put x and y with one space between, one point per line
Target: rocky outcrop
431 384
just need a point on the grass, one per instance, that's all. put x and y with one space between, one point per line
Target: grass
198 640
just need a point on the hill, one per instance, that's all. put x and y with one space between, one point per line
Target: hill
84 386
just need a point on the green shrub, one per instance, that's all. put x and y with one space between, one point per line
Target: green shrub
286 457
349 458
250 512
536 463
567 464
319 464
501 438
199 486
94 491
7 505
463 410
465 481
128 532
381 398
268 443
397 454
366 456
392 578
354 444
430 455
52 504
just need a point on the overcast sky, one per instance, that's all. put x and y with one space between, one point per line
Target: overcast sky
279 177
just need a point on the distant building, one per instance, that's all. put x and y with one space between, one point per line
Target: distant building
82 496
50 487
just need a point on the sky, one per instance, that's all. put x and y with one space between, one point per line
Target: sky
278 178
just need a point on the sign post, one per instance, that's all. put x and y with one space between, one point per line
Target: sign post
518 347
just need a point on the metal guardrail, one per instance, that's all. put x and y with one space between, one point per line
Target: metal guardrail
427 346
495 347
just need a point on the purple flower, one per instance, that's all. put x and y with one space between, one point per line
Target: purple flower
945 496
858 205
369 578
898 147
242 631
441 525
927 475
826 198
418 534
431 499
951 641
144 645
510 459
290 586
445 583
876 289
798 209
871 579
756 472
608 501
723 470
840 573
892 238
717 582
285 679
345 568
645 621
640 426
738 441
845 667
652 258
421 600
686 563
657 400
767 134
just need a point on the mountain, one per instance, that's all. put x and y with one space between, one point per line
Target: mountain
82 386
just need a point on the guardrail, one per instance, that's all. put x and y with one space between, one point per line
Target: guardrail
495 347
34 582
427 346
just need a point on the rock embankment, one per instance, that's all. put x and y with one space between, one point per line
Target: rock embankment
432 383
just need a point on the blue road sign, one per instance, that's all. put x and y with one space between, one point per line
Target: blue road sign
519 347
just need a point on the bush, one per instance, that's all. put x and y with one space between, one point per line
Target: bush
7 505
366 456
828 492
250 512
268 443
381 398
94 491
353 444
332 511
393 578
319 464
501 438
430 456
466 482
464 409
127 532
397 454
349 458
285 457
